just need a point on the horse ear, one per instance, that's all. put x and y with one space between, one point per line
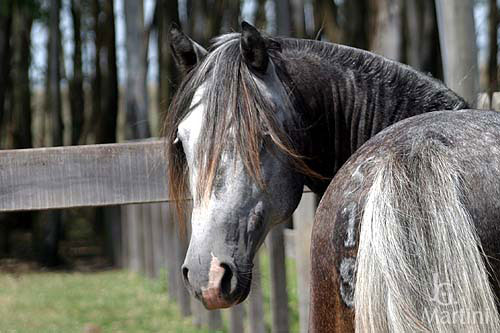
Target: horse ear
253 48
187 53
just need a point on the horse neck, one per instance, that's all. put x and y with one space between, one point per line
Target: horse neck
349 95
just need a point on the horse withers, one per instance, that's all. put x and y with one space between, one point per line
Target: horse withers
254 120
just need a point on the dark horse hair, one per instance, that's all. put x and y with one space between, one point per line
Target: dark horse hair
240 118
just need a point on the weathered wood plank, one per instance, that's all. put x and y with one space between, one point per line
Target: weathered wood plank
93 175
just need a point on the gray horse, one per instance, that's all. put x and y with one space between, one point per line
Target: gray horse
257 118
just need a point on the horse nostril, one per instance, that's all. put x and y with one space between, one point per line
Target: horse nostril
185 272
227 284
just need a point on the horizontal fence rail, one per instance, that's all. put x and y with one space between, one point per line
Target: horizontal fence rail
77 176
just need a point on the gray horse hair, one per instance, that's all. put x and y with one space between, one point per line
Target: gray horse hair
420 265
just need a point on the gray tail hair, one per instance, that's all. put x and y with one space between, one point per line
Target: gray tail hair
420 265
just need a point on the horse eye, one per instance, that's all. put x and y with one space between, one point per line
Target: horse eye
176 141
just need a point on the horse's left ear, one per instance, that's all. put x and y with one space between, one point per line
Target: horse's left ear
254 47
187 53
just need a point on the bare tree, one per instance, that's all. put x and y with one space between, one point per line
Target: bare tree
493 47
5 34
167 14
421 36
283 17
51 229
76 83
387 37
136 96
106 124
458 46
325 20
298 18
21 101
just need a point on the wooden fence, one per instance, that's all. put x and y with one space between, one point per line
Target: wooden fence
133 175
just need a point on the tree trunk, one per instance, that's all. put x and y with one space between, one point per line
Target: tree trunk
260 15
167 14
76 95
52 227
325 20
106 129
283 17
231 17
458 47
421 38
387 28
298 18
5 35
21 106
136 97
54 75
355 14
198 23
493 47
107 224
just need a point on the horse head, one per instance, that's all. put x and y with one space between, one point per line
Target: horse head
229 145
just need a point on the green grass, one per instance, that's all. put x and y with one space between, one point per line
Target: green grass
114 301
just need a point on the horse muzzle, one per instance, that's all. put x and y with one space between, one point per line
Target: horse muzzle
221 290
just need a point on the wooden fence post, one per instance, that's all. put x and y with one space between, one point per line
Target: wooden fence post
170 255
255 306
125 260
279 297
157 228
236 318
303 218
214 319
181 244
146 227
135 238
197 311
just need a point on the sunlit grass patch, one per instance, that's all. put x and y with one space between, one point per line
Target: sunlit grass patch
113 301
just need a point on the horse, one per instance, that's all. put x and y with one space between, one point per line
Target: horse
256 118
408 230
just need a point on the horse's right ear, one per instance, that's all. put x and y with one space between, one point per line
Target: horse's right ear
253 47
187 53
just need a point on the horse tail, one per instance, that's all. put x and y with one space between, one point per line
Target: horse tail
420 264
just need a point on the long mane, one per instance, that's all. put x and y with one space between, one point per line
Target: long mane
237 117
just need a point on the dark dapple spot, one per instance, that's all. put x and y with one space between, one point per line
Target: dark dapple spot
347 280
